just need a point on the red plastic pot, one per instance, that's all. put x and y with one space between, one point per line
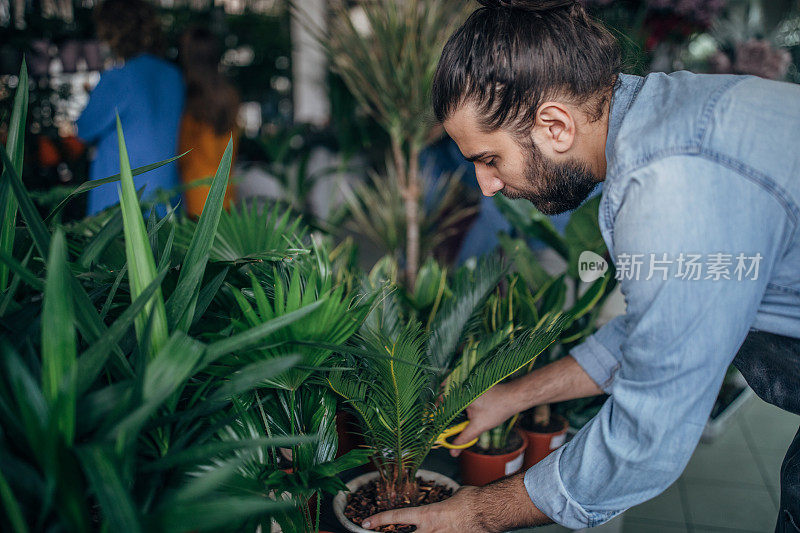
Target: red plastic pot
480 469
541 444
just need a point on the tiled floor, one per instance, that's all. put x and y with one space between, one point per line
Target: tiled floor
730 485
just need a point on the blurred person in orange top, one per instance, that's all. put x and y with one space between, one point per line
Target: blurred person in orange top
209 118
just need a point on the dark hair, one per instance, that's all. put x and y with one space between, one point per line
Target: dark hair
130 27
510 55
210 98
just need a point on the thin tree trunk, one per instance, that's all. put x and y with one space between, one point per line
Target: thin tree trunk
412 199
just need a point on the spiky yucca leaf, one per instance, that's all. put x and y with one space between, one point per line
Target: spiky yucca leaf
141 263
182 302
15 147
59 347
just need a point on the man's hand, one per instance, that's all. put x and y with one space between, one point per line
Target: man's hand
557 382
498 507
491 409
452 515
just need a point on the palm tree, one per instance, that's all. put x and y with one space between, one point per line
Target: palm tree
386 51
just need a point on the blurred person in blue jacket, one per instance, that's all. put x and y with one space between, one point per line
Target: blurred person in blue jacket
148 94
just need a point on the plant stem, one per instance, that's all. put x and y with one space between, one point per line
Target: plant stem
541 414
412 197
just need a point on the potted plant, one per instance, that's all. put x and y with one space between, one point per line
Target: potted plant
541 292
396 389
500 451
108 406
302 404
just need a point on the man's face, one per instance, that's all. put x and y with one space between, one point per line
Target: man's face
520 170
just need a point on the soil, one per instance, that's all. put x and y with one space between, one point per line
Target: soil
512 444
367 501
527 423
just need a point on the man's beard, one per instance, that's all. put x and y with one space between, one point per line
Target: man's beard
554 187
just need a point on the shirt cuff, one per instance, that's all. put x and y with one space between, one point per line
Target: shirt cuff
600 354
548 493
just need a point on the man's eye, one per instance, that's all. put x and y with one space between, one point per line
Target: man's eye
490 162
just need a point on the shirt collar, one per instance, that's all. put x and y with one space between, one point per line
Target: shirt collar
625 91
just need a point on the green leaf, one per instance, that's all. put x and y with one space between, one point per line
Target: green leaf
108 487
16 148
141 263
17 268
583 233
109 232
219 513
36 227
253 375
252 336
164 375
181 304
59 351
590 298
470 289
513 355
12 509
530 222
525 262
93 184
92 361
205 452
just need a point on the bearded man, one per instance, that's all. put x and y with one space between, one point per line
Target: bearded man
698 170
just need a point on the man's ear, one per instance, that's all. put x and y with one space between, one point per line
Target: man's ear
555 127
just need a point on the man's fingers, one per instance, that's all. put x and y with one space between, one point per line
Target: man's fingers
407 516
470 432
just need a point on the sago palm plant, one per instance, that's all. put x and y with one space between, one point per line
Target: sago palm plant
397 388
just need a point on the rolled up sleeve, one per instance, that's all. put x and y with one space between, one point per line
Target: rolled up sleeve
600 354
663 363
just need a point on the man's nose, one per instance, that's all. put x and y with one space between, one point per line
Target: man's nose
489 184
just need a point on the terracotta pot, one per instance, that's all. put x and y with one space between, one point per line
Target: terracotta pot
541 444
480 469
340 500
49 155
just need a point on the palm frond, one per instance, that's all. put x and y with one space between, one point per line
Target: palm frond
513 355
251 234
469 290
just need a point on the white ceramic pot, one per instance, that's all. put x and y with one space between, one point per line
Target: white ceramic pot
340 500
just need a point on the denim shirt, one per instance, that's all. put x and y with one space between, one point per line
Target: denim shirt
704 167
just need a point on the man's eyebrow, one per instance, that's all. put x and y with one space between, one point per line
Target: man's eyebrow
475 157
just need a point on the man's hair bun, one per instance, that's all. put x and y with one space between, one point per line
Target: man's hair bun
536 6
